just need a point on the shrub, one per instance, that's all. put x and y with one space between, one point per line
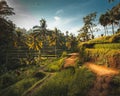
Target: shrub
39 75
115 86
56 65
64 54
7 80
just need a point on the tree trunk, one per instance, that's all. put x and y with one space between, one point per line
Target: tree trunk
113 28
119 24
105 30
55 50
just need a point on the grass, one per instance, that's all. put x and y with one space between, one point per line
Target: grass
18 88
115 83
55 66
107 46
68 82
14 84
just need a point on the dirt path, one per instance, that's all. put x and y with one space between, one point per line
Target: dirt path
101 70
104 76
71 61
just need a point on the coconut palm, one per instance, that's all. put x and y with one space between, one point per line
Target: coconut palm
104 19
5 10
116 13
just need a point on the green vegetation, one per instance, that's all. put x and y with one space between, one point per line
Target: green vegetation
56 65
29 59
18 88
107 46
67 83
106 57
115 83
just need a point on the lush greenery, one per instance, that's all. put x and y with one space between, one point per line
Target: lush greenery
28 58
115 83
15 82
68 82
56 65
107 46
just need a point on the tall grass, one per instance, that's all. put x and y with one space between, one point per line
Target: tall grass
68 82
54 66
107 46
18 88
115 83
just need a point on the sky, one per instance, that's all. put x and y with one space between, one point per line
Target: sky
66 15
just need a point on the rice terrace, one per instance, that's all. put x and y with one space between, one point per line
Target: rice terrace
59 47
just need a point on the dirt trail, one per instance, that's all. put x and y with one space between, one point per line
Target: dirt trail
70 61
104 76
101 70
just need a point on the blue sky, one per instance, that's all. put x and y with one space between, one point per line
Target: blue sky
63 14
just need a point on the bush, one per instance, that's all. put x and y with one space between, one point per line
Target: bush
56 65
7 80
64 54
115 86
39 75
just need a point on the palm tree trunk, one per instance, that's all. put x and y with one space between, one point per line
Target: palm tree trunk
105 30
113 28
119 24
55 50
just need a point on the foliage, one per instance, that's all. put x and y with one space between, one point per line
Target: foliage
108 57
5 10
111 17
18 88
7 80
66 82
107 46
82 81
115 83
55 65
39 75
86 32
64 54
15 82
101 40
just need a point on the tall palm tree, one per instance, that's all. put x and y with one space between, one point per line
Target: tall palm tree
5 10
116 13
104 20
112 20
111 1
89 22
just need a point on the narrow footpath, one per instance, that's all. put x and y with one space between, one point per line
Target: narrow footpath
104 76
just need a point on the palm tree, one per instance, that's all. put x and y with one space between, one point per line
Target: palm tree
112 20
5 10
111 1
54 39
89 22
104 20
116 13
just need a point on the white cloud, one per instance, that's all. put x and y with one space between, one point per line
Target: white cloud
75 30
57 18
59 11
64 24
